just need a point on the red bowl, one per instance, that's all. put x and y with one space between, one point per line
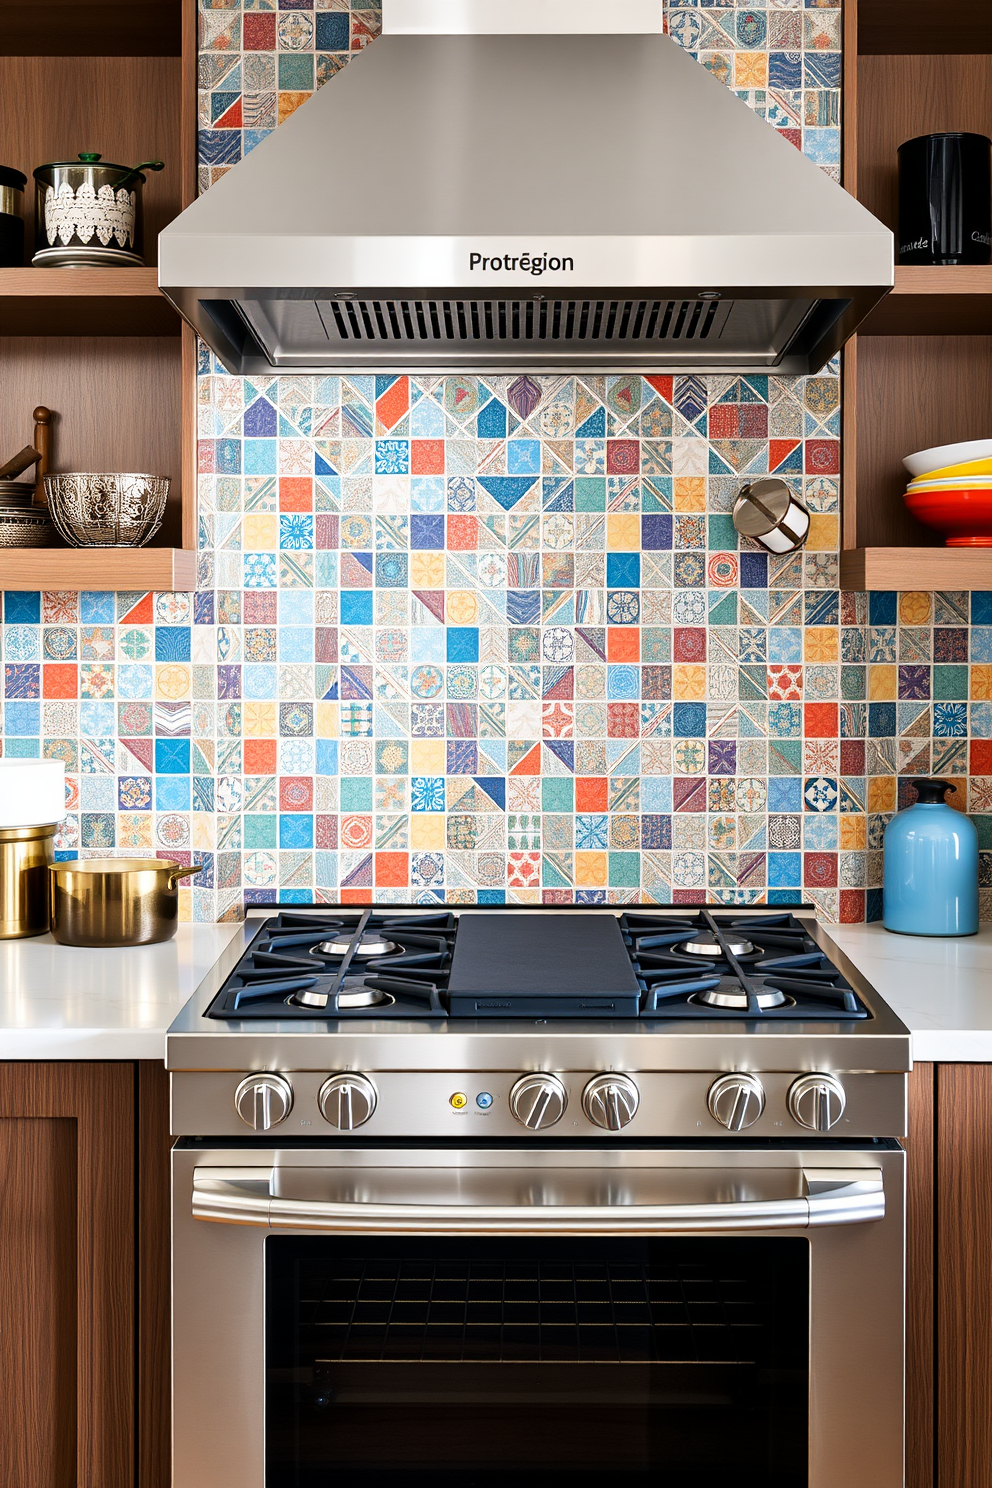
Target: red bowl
964 517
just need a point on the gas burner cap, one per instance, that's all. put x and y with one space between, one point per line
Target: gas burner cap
354 994
371 944
706 944
736 1000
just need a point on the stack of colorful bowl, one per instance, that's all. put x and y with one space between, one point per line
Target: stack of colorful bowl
951 491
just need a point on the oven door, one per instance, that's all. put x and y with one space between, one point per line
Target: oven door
450 1319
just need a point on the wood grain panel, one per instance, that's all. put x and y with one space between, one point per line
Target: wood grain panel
84 302
913 392
38 1287
154 1145
964 1279
921 26
90 28
117 401
920 1321
915 568
900 97
127 108
73 1207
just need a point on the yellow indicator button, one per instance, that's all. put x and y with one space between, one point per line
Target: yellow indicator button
459 1100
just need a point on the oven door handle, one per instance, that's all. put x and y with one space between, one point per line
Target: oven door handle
830 1196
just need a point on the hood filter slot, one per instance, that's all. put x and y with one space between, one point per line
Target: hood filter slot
527 322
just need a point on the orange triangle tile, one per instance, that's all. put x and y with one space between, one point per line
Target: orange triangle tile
394 403
530 764
231 118
143 613
663 386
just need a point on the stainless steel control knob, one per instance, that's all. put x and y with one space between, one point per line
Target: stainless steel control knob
538 1101
736 1101
347 1100
262 1101
611 1101
817 1102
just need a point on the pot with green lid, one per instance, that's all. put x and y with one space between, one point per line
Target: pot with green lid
88 213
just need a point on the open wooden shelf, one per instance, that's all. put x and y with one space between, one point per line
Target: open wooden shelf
84 302
919 373
102 347
935 302
98 568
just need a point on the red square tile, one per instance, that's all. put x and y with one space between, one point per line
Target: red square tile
557 896
427 456
852 757
785 682
327 831
260 756
591 793
820 720
295 493
820 870
981 757
392 869
296 793
689 644
60 680
623 456
623 720
623 643
823 457
463 533
852 906
259 33
326 643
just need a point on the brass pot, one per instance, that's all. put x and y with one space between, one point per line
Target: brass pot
116 901
26 854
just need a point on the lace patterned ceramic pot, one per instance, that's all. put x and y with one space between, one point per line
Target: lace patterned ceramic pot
88 213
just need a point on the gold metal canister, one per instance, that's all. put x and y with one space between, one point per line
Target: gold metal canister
116 901
26 856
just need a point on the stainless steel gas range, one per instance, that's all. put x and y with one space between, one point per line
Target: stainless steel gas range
461 1194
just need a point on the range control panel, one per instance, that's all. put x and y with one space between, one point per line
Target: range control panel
395 1103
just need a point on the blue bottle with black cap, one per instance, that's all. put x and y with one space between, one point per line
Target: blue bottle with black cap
931 867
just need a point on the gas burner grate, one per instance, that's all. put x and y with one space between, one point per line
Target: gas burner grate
785 974
396 1311
285 972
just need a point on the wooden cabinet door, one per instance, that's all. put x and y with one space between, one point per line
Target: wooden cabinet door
964 1275
66 1275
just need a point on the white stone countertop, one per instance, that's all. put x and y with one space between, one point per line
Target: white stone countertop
941 987
67 1002
58 1002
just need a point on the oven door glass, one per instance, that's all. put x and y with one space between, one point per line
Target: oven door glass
548 1363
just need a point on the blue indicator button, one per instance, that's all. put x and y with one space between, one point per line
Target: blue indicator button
483 1100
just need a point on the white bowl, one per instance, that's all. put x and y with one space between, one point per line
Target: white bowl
947 454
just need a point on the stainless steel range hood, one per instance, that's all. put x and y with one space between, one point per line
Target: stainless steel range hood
496 185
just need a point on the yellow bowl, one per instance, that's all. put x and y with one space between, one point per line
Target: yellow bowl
973 467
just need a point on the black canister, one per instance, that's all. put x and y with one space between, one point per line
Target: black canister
945 199
12 185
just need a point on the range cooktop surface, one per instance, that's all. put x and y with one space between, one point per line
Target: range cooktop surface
645 965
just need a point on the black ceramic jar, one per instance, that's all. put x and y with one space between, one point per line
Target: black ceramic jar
945 199
12 185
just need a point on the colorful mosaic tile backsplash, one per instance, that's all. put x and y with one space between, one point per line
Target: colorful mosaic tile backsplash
495 639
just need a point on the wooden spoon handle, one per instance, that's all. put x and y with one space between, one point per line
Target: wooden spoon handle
43 444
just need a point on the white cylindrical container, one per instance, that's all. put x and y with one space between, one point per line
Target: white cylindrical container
32 792
32 803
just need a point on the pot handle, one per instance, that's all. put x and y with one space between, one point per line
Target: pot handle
155 165
178 873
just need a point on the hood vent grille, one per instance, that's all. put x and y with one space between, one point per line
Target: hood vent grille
456 332
522 321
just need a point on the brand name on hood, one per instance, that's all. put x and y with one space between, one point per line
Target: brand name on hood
523 263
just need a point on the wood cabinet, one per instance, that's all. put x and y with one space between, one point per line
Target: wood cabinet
949 1288
102 347
84 1335
919 373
